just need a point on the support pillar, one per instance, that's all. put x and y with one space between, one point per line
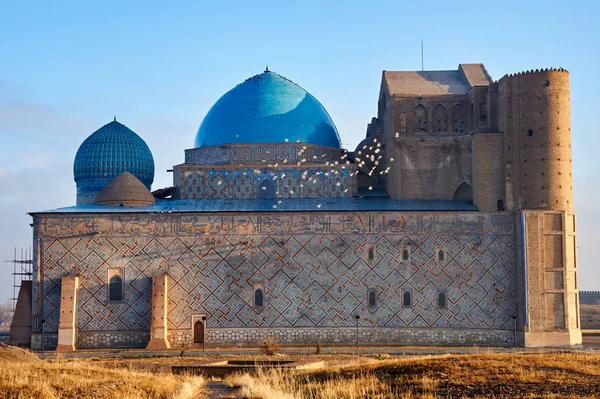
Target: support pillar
20 329
158 329
67 326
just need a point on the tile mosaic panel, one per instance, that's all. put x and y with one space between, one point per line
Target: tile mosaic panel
313 266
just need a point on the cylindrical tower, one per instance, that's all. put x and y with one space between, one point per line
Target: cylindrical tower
535 116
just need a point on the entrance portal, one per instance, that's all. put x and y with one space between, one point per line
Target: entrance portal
198 332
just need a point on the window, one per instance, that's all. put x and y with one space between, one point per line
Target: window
372 298
482 112
115 285
259 298
442 300
405 254
406 299
500 205
441 256
403 122
530 133
371 254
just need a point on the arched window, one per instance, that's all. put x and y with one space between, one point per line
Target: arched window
458 119
371 253
530 133
442 300
403 122
405 254
421 116
500 205
441 255
259 298
372 299
266 189
115 289
440 120
406 299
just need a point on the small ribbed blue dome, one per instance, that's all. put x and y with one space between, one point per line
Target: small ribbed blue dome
267 108
108 152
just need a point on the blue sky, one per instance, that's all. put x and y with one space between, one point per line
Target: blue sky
66 68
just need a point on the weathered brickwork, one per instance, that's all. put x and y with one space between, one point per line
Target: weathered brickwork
315 269
534 114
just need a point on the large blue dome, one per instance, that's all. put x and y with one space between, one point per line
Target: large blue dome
267 108
108 152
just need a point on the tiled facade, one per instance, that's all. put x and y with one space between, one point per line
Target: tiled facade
315 269
194 182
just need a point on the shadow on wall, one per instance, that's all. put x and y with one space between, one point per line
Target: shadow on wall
464 192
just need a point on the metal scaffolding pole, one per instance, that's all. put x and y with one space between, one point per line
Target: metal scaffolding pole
22 270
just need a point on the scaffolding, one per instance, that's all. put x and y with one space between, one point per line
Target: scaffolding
22 270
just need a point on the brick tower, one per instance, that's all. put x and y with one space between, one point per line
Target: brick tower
534 115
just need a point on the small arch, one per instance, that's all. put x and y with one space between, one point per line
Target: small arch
463 192
458 119
266 189
405 254
406 299
442 300
440 119
115 289
421 118
259 298
441 255
403 123
500 205
372 299
198 332
530 132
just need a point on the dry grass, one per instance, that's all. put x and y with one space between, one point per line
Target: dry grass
590 317
270 347
558 375
29 377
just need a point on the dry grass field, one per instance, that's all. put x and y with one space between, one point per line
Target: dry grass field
482 375
23 375
566 375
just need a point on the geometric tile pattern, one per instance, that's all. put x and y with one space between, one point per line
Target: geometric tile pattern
314 269
332 182
194 185
289 184
218 185
242 186
313 185
338 182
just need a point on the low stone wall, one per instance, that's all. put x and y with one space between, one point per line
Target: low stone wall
112 339
347 336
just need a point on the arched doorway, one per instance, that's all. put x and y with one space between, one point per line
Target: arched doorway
199 332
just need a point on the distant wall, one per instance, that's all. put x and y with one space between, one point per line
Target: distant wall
589 297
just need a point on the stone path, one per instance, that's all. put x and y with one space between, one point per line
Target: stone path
218 390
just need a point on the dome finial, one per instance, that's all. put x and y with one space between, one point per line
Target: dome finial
115 119
267 69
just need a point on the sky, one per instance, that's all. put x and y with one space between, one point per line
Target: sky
69 67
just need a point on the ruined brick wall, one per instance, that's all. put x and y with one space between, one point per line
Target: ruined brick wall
427 146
